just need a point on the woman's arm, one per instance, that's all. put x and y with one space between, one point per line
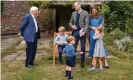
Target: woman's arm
100 22
100 26
93 28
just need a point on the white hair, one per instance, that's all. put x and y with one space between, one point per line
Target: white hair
33 8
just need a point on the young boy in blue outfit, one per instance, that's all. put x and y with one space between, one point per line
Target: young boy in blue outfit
61 41
70 56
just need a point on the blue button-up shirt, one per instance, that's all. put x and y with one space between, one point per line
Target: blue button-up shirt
61 38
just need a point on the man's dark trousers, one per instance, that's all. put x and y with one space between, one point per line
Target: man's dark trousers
31 52
82 39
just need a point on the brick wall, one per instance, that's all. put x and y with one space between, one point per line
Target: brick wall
13 13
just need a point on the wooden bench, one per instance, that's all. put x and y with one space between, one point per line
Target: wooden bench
55 47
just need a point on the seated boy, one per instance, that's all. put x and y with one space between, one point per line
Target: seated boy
61 41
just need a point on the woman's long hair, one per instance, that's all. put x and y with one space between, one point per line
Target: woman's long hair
97 14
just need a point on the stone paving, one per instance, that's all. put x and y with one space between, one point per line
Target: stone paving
8 41
10 57
43 43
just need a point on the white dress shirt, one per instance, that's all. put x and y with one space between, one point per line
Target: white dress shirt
35 22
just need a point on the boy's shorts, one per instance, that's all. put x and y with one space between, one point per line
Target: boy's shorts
70 61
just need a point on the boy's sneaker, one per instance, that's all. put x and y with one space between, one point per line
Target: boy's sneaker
91 69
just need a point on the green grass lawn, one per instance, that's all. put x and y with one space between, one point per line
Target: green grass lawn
120 69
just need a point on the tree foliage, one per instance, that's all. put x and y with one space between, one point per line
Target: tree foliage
46 3
2 6
40 4
118 14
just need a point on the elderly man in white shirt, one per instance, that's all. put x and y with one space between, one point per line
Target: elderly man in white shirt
30 30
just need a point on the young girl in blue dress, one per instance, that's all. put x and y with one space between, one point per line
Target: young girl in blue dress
99 50
70 56
95 21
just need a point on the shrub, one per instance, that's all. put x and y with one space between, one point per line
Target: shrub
115 34
130 47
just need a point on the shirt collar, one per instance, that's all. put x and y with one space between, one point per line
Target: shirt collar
80 10
32 15
62 34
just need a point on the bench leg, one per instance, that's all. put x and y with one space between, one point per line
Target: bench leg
54 58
